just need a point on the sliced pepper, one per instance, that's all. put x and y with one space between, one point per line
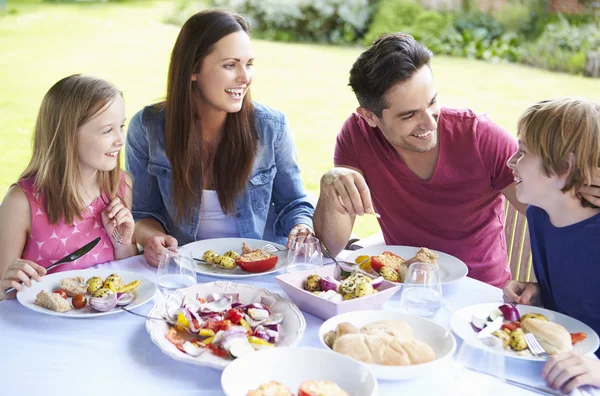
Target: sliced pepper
206 333
208 340
577 337
259 341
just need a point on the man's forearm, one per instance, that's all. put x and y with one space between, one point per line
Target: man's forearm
331 226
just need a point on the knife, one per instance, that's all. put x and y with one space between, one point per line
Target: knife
489 329
67 259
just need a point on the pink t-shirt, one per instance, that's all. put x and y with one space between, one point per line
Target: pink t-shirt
460 210
48 243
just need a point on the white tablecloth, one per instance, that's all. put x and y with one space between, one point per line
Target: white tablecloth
47 355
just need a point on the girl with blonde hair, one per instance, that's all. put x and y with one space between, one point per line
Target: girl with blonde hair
73 189
558 156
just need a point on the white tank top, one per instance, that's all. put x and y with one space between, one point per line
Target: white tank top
214 223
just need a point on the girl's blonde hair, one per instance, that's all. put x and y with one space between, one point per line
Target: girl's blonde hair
555 129
69 104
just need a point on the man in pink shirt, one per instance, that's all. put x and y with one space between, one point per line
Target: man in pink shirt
437 176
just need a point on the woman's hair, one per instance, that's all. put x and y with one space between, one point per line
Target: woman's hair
555 129
234 157
391 59
69 104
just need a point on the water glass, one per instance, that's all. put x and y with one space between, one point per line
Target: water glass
304 253
422 290
175 270
480 367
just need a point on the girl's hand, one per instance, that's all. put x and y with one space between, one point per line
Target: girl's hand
570 370
20 271
299 230
521 293
116 215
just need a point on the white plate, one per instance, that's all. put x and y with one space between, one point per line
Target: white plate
51 282
451 268
461 326
221 245
292 366
438 338
291 333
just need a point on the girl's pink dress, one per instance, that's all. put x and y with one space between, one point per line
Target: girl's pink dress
48 243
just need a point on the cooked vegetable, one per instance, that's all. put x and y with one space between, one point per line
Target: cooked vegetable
505 338
577 337
209 256
61 293
313 283
130 286
102 292
364 289
94 283
232 254
225 262
125 298
329 283
510 312
534 316
389 274
257 261
105 303
350 284
517 340
115 279
386 259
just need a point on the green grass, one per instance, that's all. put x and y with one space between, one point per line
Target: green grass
128 44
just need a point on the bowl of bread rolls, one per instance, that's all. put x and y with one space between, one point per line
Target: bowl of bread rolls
392 345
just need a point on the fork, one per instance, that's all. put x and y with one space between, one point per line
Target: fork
117 236
270 248
534 346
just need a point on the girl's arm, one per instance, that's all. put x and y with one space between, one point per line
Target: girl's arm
15 221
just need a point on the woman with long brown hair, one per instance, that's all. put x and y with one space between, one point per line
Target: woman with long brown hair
73 189
208 162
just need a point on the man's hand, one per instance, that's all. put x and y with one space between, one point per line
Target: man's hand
570 370
347 191
522 293
299 231
154 247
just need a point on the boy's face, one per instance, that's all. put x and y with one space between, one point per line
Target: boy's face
533 186
410 121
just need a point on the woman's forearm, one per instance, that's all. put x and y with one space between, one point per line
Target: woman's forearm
146 229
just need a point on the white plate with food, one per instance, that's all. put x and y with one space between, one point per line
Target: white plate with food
374 336
76 283
226 252
451 268
220 321
556 332
302 371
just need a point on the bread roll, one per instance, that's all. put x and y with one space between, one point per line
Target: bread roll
345 328
74 286
383 349
553 337
395 328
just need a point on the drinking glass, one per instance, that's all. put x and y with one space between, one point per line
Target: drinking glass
304 253
175 270
422 290
480 367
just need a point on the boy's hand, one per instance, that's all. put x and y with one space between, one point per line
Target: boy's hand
521 293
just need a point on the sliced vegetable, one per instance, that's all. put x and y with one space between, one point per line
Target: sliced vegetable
329 283
495 314
274 319
192 349
125 298
478 322
510 312
259 341
386 259
257 262
377 282
258 314
577 337
241 348
267 301
104 304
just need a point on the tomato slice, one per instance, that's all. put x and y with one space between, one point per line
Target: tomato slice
61 293
577 337
512 326
234 315
217 351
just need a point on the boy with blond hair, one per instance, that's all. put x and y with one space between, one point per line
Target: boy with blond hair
558 154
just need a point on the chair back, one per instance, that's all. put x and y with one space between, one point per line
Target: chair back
517 244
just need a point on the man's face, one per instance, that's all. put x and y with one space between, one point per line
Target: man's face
410 121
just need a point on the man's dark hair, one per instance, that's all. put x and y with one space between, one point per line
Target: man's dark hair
391 59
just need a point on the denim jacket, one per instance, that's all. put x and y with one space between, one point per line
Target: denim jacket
274 182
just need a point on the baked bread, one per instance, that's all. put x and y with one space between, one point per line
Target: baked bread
74 286
395 328
553 337
320 388
272 388
424 255
383 349
52 301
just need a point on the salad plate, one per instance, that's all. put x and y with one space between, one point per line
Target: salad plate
143 293
222 245
210 304
451 268
462 325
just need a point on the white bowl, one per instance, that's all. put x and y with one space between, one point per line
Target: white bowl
438 338
291 333
292 366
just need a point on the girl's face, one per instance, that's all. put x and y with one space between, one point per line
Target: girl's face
533 186
226 73
101 138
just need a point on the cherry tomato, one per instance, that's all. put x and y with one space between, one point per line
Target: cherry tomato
79 301
61 293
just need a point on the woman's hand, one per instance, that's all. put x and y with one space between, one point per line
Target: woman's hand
20 271
299 230
570 370
154 247
522 293
116 215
